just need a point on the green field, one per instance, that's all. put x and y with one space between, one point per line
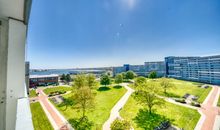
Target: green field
39 118
105 100
57 89
32 93
180 116
182 87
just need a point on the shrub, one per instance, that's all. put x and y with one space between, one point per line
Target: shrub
120 125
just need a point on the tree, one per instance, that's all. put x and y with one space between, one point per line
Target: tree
124 75
119 78
148 96
165 84
105 80
152 75
68 78
79 81
63 77
129 75
139 83
120 125
84 99
91 81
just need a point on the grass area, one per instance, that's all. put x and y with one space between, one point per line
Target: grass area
180 116
57 89
32 93
218 101
105 99
183 87
39 118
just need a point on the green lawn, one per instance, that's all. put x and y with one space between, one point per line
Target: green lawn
39 118
57 89
180 116
218 101
183 87
104 99
32 93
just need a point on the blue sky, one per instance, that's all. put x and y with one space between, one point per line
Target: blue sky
95 33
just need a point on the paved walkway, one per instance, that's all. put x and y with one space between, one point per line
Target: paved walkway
181 104
57 120
115 110
210 110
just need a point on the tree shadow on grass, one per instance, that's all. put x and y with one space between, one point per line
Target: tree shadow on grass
82 123
103 89
149 121
67 102
117 87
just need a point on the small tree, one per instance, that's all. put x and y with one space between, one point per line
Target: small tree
68 78
105 80
129 75
139 83
84 99
120 125
63 77
165 84
152 75
91 81
119 78
80 81
148 96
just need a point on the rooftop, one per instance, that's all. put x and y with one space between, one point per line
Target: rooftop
44 76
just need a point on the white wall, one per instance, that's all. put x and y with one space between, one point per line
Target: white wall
15 78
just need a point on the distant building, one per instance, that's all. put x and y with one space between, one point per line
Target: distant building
142 70
200 69
43 80
158 66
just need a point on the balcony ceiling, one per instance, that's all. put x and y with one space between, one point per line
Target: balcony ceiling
17 9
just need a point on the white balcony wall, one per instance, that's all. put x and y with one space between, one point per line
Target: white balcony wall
3 71
12 70
15 69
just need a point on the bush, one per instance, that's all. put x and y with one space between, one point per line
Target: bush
120 125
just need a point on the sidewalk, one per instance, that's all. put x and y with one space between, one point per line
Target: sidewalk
115 110
57 120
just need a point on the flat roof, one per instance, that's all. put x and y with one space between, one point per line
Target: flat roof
44 76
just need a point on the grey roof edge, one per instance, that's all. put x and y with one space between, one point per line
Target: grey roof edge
27 10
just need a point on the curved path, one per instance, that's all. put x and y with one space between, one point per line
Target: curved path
209 110
57 120
118 106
